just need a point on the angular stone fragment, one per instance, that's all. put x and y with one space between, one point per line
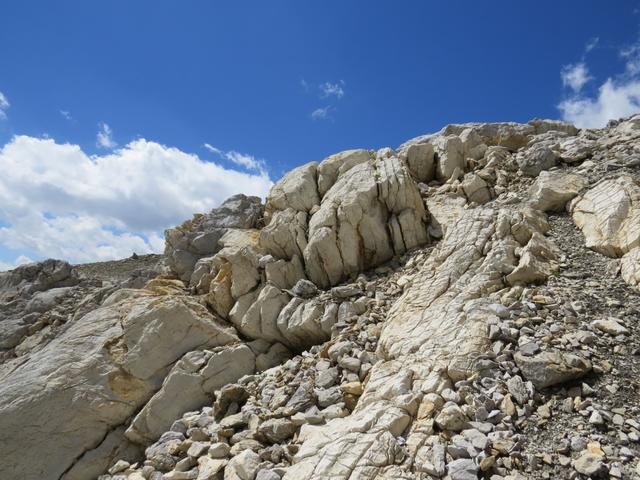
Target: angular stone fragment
537 158
552 190
610 326
198 373
552 367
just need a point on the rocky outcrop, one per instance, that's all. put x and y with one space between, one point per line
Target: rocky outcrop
425 312
198 237
95 375
371 213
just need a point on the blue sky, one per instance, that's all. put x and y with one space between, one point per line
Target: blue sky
256 88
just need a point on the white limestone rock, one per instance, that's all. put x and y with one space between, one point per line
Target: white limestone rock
609 216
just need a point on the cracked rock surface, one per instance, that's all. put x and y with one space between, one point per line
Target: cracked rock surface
462 307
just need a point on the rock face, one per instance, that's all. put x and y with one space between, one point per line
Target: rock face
198 237
94 375
609 216
455 308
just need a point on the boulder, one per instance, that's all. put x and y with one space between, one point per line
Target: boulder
94 376
188 386
26 280
420 160
552 367
535 159
332 167
298 190
449 156
609 216
476 189
373 212
552 190
630 268
198 237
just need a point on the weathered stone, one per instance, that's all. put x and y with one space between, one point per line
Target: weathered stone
609 216
610 326
243 466
331 168
94 376
198 373
552 367
536 159
552 190
198 237
630 268
298 190
372 212
277 430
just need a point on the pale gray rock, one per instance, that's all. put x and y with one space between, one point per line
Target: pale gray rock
463 469
552 367
372 212
198 237
535 159
332 167
420 161
476 189
298 190
243 466
277 430
630 268
94 376
588 464
28 279
609 325
609 216
449 156
552 190
190 385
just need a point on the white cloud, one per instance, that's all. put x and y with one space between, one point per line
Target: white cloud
575 76
241 159
20 260
67 115
304 84
591 44
329 89
4 105
321 113
57 201
617 96
614 100
213 149
104 138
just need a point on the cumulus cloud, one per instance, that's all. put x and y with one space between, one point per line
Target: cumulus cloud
104 138
241 159
321 113
616 97
575 76
20 260
67 115
4 105
57 201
